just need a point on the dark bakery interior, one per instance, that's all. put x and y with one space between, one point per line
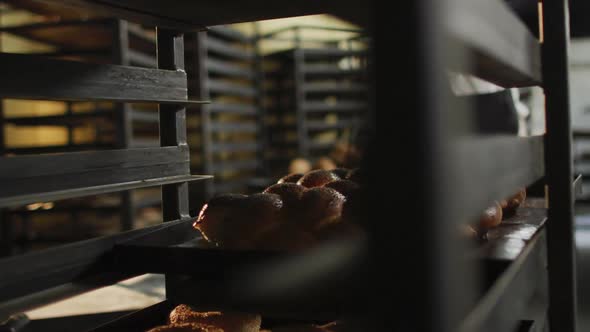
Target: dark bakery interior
214 166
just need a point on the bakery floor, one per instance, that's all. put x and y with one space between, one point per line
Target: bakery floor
99 306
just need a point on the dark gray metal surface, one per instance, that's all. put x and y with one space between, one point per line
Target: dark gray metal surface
190 14
72 192
476 157
173 124
53 172
93 81
430 307
504 51
505 304
201 89
124 127
560 224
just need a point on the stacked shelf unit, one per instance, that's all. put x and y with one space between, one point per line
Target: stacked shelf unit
451 172
581 161
74 36
318 92
225 66
579 73
43 177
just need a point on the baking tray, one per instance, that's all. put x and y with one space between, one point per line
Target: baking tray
306 284
157 314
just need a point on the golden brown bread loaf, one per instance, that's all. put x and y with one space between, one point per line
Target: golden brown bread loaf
513 202
217 214
286 215
291 178
317 178
491 217
341 172
517 199
186 327
261 213
226 321
345 187
234 221
321 206
290 194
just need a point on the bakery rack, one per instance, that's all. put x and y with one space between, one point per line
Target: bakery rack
319 91
224 64
47 177
451 172
117 125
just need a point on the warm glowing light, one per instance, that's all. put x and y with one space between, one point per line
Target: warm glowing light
34 206
47 206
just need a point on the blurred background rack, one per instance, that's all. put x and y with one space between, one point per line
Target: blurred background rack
224 64
318 93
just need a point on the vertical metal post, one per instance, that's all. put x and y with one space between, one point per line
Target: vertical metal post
123 126
4 227
558 161
260 97
2 139
70 126
175 206
438 292
299 79
6 234
202 87
170 45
